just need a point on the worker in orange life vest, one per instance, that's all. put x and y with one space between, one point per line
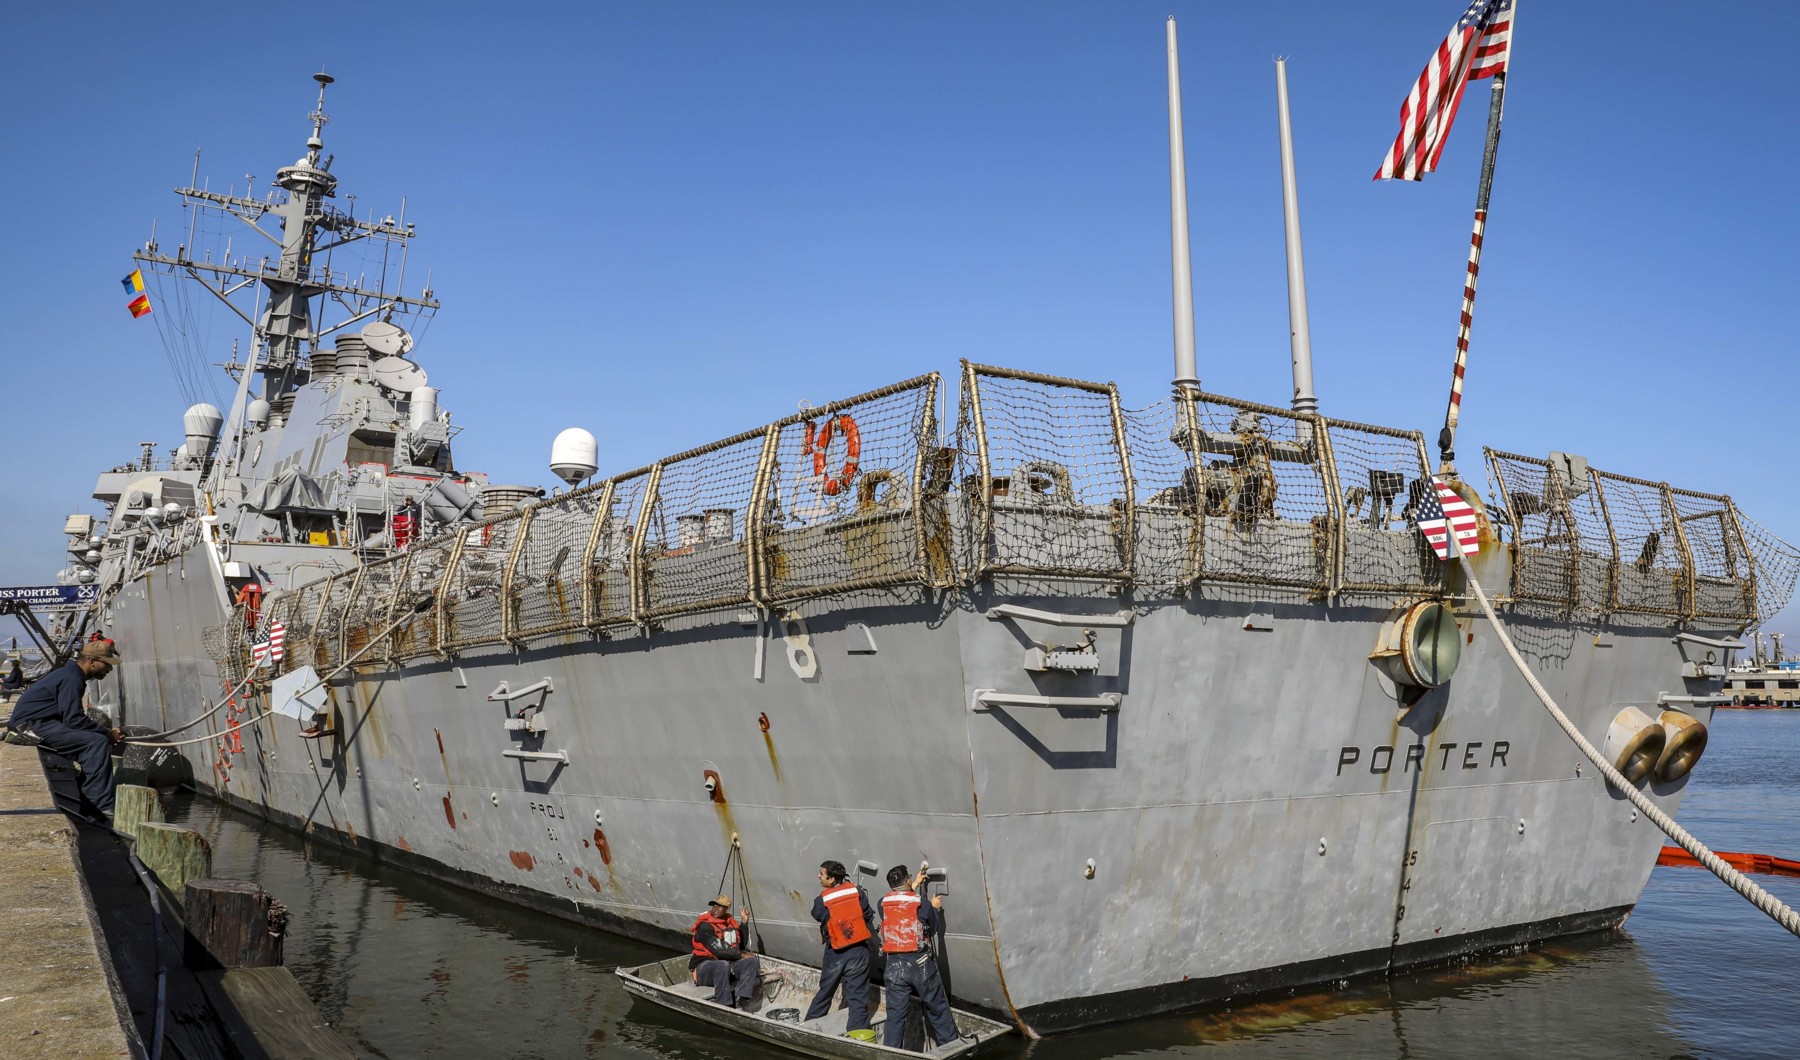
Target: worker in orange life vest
721 958
843 913
907 924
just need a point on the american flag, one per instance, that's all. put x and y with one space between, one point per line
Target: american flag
266 650
1477 47
1440 506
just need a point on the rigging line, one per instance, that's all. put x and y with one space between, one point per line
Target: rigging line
229 696
175 337
420 606
1776 910
199 336
170 336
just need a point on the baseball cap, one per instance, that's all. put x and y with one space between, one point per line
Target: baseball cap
100 650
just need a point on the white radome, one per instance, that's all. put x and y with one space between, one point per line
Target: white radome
574 455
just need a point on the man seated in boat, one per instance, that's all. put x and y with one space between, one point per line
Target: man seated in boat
720 959
907 924
843 913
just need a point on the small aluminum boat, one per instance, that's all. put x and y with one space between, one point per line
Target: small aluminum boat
783 992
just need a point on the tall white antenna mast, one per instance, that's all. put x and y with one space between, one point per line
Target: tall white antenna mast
1178 222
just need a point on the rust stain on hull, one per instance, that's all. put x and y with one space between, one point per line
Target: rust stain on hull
449 811
602 846
774 759
522 860
402 843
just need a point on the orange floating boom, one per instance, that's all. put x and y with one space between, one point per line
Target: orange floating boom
1764 863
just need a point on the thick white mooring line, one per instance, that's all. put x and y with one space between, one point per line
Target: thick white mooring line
1777 910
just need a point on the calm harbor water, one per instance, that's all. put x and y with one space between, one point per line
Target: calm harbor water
407 967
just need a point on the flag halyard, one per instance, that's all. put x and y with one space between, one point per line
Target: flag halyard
1443 511
1477 46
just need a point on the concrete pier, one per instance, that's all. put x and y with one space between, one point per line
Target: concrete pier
56 999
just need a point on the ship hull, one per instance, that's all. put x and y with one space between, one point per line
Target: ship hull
1257 814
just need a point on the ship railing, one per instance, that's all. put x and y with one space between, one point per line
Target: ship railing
1045 476
1060 480
1599 543
823 501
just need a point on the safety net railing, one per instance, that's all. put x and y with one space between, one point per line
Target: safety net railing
1597 542
544 583
470 599
1382 476
371 606
610 585
1721 583
1232 491
826 500
415 623
1774 565
1045 475
1563 549
844 488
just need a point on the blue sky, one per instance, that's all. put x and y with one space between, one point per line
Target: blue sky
668 223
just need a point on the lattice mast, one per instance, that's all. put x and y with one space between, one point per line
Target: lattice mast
281 288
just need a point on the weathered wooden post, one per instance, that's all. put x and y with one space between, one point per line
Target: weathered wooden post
174 853
134 805
233 924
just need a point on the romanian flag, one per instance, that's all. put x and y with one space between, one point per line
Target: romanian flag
139 306
135 282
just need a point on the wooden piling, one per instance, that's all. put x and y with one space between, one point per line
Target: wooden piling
175 854
232 924
134 805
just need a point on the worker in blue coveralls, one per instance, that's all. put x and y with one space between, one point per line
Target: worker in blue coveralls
907 926
49 713
843 913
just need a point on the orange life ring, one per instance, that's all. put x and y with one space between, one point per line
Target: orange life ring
817 444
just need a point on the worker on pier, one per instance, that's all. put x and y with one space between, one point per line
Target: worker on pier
720 959
907 925
49 714
843 913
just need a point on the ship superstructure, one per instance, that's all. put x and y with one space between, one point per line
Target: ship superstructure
1124 673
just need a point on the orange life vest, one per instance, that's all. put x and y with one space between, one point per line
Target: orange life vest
901 930
845 925
250 596
725 928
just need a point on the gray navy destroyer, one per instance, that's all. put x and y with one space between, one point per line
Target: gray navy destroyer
1126 674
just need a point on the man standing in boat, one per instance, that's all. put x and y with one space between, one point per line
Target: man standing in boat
720 959
843 913
907 924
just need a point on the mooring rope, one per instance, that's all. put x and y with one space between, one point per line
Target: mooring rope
1776 909
229 696
340 668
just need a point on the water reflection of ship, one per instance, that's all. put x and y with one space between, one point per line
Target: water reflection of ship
398 960
1595 993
